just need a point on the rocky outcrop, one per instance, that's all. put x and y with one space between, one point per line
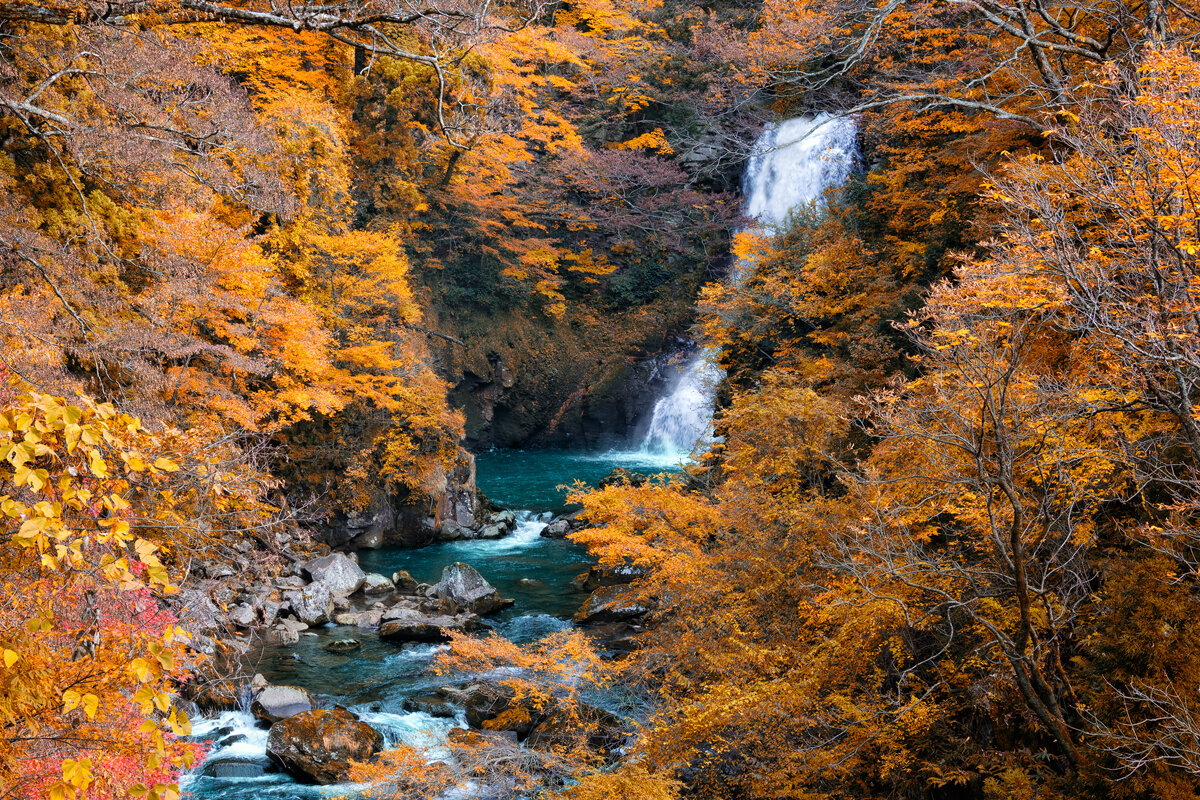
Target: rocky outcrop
318 746
280 702
466 589
459 511
340 574
623 477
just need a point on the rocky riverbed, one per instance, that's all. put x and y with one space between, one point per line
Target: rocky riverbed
336 654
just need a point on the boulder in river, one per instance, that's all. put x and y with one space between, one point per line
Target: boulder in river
338 572
280 702
318 746
557 529
611 604
563 726
462 585
341 646
410 625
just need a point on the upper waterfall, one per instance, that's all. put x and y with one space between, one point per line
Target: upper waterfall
794 163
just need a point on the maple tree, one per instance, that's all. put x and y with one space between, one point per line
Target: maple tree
90 651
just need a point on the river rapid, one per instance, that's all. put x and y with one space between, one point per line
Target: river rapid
374 680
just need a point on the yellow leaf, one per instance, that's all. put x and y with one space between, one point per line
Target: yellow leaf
97 464
11 657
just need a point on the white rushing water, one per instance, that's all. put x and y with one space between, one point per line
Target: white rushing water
794 163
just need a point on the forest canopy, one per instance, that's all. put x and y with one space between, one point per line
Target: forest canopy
944 540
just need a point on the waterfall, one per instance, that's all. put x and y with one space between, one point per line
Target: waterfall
794 162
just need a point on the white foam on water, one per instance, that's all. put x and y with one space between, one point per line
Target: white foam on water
527 532
416 729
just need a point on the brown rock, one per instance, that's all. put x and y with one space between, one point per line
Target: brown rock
318 746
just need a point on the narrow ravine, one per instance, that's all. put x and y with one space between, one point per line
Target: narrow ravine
795 162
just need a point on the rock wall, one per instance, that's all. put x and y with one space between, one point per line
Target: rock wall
524 382
408 520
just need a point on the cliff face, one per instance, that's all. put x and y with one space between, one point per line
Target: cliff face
523 381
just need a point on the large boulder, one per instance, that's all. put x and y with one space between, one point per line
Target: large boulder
280 702
197 611
318 746
338 572
312 605
411 625
557 529
611 604
463 586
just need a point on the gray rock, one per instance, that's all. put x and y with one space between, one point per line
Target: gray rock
492 532
278 634
462 585
611 604
312 605
243 615
558 529
338 572
274 703
197 612
452 531
270 611
215 569
342 646
287 631
410 625
359 619
506 519
374 583
237 767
